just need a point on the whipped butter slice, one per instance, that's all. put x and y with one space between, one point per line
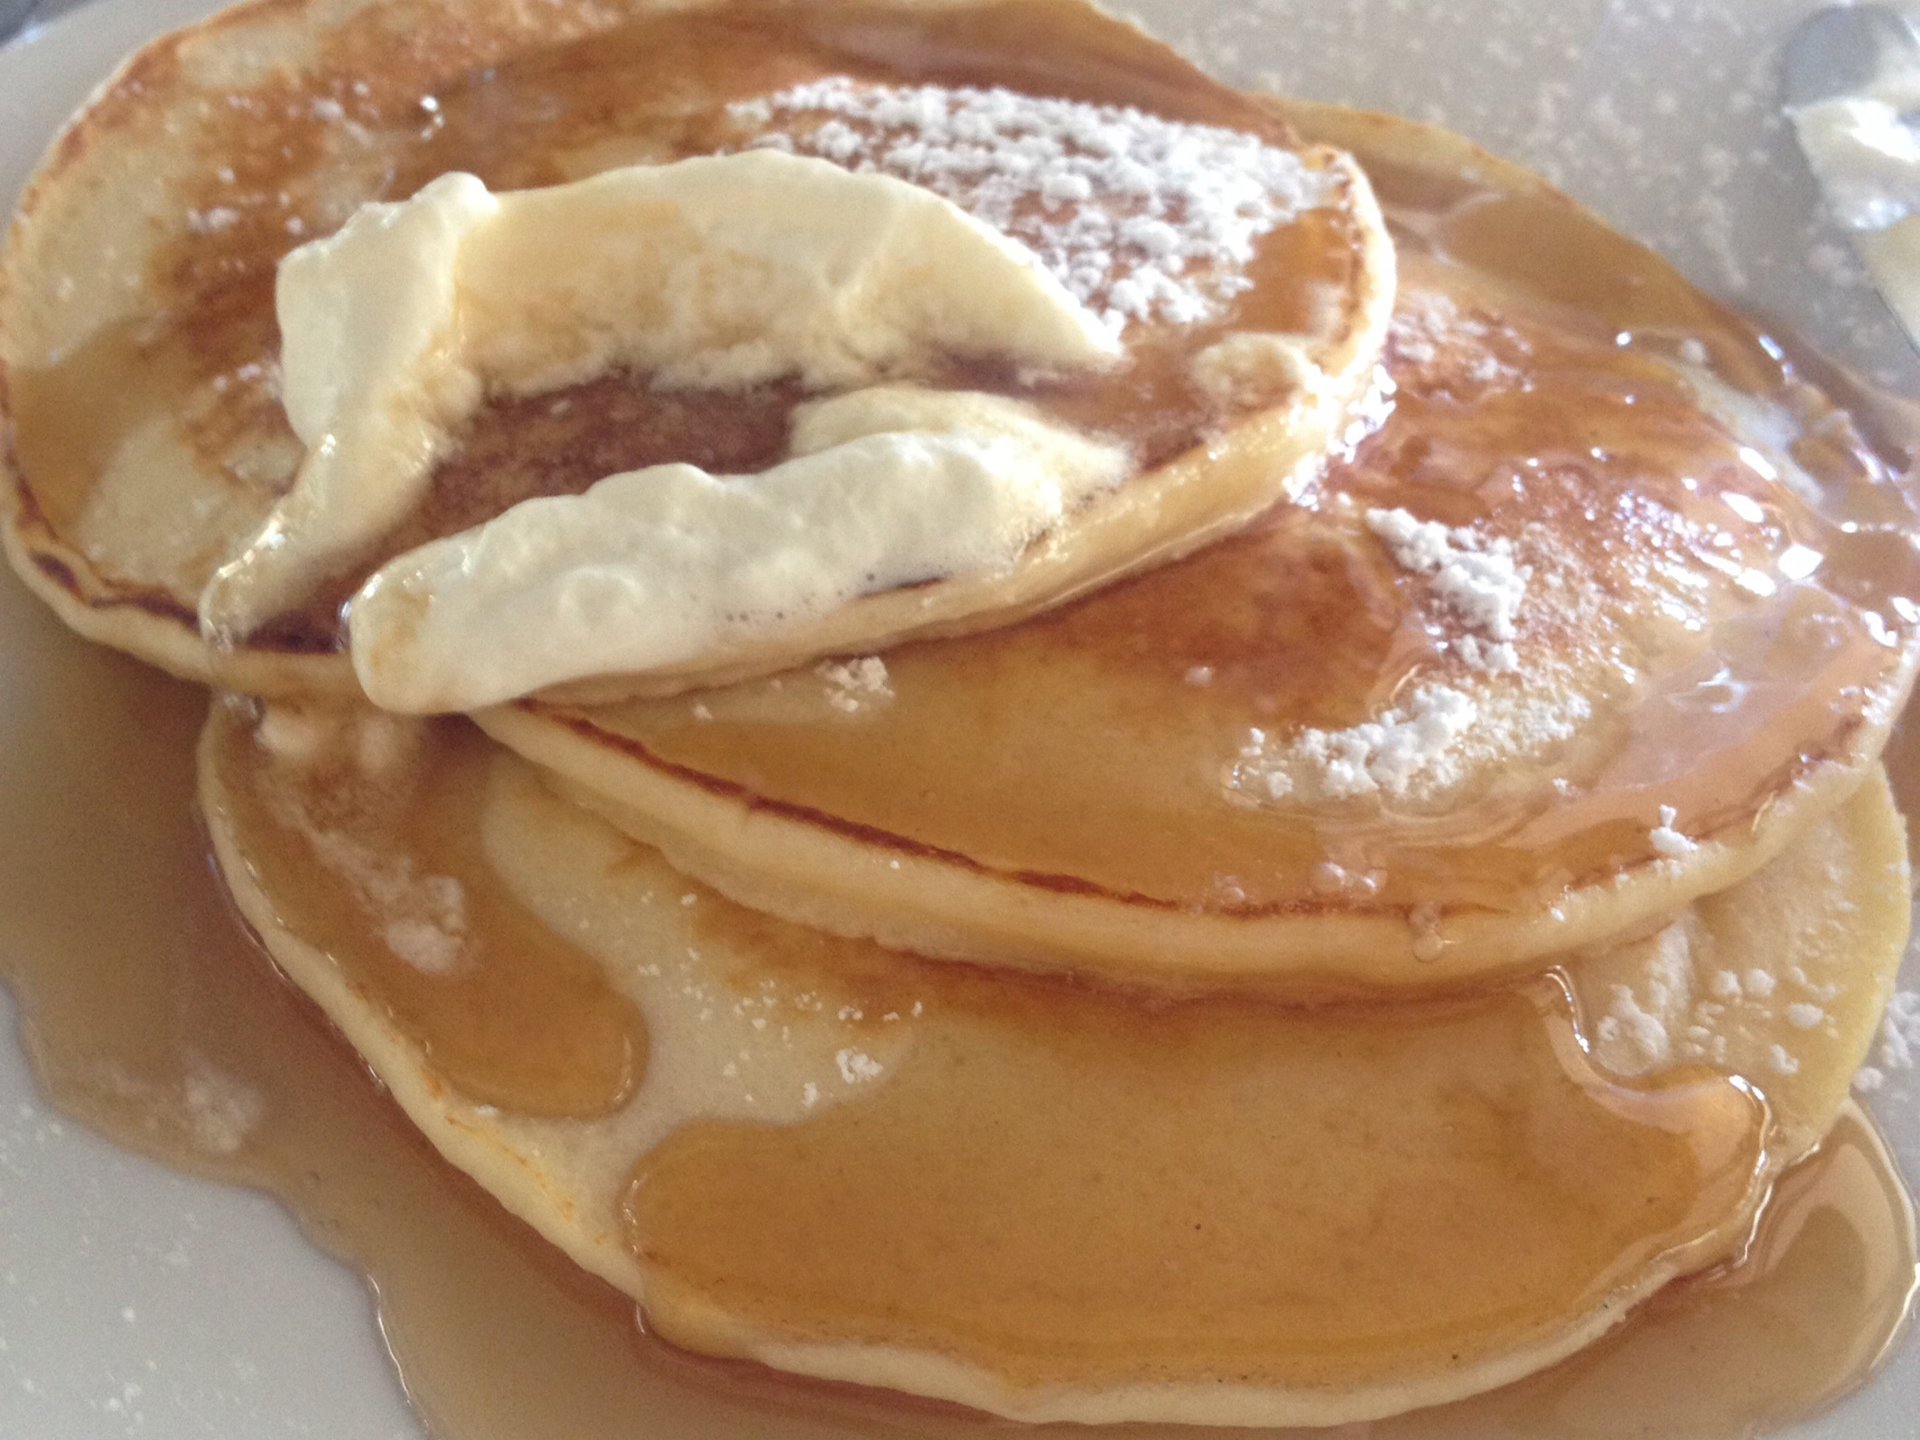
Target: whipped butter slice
888 486
725 272
1867 159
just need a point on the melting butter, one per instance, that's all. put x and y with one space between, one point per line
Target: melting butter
888 485
1863 150
722 272
1867 159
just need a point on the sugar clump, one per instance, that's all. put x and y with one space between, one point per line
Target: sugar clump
1668 842
1477 579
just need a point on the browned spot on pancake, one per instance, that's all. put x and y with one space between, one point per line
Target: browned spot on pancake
525 448
58 571
559 445
56 564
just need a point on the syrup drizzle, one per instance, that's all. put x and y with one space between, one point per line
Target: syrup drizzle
117 944
125 961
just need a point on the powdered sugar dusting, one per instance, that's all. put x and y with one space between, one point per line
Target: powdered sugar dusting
857 1067
1898 1048
1433 742
221 1110
1392 753
1438 345
1668 842
1477 579
1140 217
422 917
855 685
1677 1005
1675 1012
1598 97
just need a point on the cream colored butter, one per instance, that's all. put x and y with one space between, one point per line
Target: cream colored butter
723 271
888 486
1867 158
1865 153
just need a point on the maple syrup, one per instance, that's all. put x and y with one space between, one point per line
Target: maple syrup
126 964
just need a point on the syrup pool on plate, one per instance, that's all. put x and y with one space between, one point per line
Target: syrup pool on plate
497 1336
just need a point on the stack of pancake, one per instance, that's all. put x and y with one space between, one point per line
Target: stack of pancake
1339 917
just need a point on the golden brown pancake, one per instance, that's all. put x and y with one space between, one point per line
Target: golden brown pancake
1592 645
1046 1201
140 343
1302 758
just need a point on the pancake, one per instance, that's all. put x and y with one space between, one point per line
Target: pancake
1568 677
1041 1200
139 345
1610 608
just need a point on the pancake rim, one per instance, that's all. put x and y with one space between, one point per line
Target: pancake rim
918 898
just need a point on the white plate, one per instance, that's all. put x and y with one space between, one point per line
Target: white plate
137 1302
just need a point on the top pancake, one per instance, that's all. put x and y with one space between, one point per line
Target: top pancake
1301 758
139 340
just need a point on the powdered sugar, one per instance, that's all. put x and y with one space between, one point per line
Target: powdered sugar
421 916
1674 1013
1477 579
1629 1027
854 685
1598 97
1679 1007
1899 1044
1392 753
1478 350
857 1067
1430 744
1668 842
1804 1015
221 1110
1138 216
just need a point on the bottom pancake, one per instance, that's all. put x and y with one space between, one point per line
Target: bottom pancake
1040 1200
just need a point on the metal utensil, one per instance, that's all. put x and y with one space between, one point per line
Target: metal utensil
1851 78
1840 51
14 15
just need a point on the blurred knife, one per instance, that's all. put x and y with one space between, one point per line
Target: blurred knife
14 15
1852 81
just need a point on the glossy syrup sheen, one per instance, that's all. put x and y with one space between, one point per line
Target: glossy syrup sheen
517 1017
1071 1191
132 977
653 90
